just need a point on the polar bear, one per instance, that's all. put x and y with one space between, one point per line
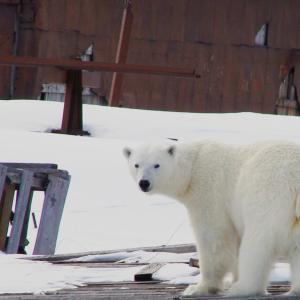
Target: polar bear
243 203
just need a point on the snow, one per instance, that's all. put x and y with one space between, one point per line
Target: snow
104 209
24 276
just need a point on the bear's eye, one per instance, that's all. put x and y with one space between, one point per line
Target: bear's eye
156 166
136 166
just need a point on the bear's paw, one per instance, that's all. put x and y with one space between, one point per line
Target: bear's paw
200 290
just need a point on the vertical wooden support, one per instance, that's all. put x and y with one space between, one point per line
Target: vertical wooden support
56 194
26 221
20 212
8 198
5 207
72 115
122 51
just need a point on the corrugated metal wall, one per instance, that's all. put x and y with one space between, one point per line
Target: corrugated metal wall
214 36
7 16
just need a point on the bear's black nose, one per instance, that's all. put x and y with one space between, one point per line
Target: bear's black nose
144 185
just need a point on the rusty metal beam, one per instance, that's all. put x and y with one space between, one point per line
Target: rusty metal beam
69 64
72 115
122 51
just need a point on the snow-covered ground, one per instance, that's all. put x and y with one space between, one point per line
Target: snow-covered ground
104 209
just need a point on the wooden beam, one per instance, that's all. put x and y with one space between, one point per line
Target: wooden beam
24 195
184 248
146 274
5 213
69 64
72 115
53 206
122 51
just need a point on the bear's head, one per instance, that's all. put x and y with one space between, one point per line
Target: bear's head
152 166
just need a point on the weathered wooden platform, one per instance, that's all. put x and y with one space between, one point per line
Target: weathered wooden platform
144 290
138 291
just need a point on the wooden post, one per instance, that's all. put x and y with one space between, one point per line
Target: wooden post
51 215
122 51
23 240
20 213
5 207
7 201
72 115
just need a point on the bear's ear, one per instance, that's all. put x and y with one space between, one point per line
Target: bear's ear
171 150
127 152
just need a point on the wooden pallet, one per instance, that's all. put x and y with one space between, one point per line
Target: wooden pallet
24 179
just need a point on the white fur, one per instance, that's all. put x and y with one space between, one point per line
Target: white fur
243 203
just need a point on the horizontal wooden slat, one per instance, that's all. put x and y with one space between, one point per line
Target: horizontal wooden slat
27 61
184 248
9 2
29 165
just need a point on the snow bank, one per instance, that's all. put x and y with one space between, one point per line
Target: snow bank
104 209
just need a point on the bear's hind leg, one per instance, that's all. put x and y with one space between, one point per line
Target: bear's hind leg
211 284
295 273
255 260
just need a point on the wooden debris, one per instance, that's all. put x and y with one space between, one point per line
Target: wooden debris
184 248
146 274
24 179
194 262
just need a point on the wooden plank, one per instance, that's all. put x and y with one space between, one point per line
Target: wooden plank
6 213
3 172
19 165
72 114
14 175
258 75
231 78
88 17
184 248
72 14
108 15
56 194
146 274
194 262
23 238
10 2
221 33
5 208
243 86
122 51
140 291
199 21
214 97
20 212
203 66
38 182
7 17
27 61
236 25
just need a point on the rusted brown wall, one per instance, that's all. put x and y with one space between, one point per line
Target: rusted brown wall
214 36
217 38
64 29
6 43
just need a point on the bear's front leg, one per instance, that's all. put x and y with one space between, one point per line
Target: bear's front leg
212 272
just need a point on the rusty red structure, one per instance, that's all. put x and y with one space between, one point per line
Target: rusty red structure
216 38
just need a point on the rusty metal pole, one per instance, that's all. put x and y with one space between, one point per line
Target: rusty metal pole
122 51
72 114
